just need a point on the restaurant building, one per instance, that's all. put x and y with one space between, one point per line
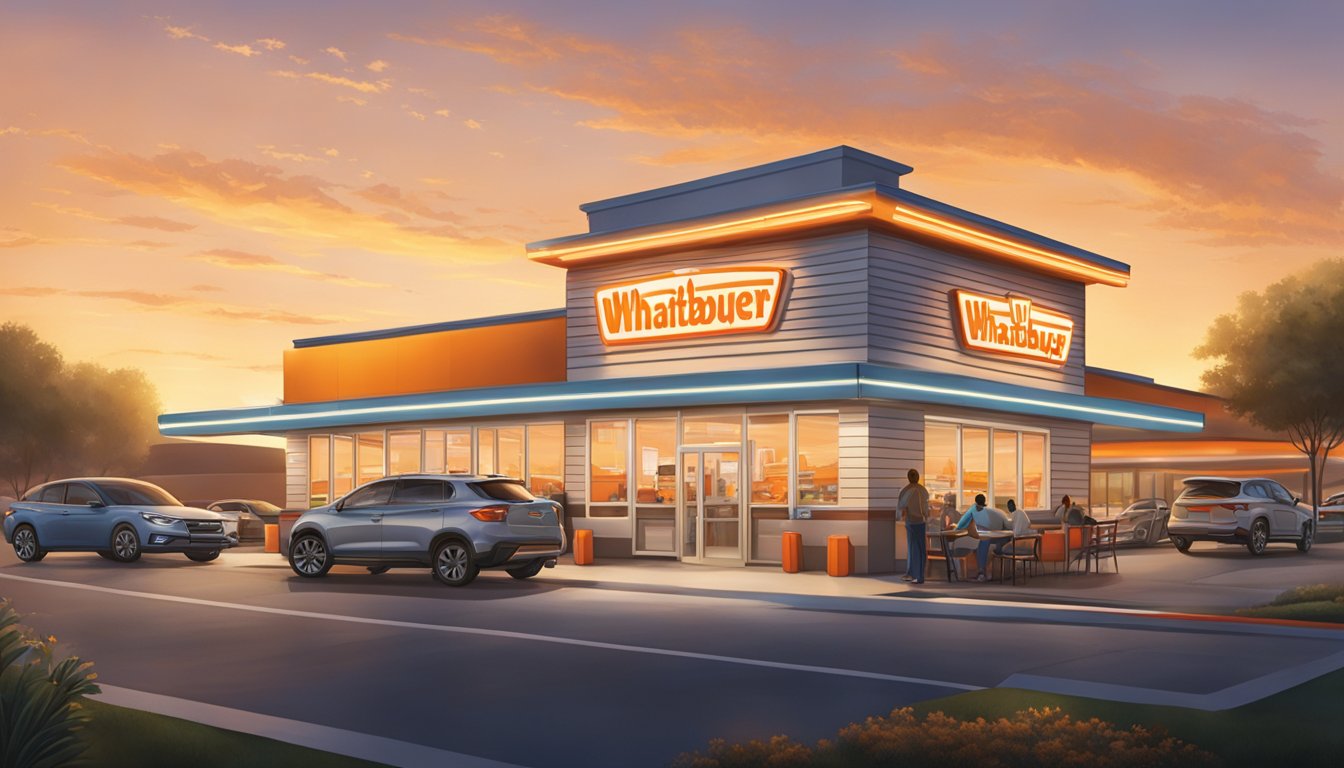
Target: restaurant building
754 352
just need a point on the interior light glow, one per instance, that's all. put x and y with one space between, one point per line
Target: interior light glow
952 231
691 235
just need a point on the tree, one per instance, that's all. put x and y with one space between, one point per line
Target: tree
59 419
1277 361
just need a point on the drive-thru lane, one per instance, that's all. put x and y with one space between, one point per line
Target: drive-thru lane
538 674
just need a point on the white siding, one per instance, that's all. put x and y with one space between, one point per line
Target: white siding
823 320
911 323
1070 460
296 471
896 444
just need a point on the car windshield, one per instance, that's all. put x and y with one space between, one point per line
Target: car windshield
138 494
1210 489
264 506
503 490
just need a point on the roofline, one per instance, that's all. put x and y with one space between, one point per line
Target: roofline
1144 380
414 330
868 204
837 381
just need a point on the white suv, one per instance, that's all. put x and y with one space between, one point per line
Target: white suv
1252 511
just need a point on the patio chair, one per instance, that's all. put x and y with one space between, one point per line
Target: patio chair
1023 549
1077 540
939 547
1102 543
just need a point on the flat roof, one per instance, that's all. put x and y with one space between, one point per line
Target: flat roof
412 330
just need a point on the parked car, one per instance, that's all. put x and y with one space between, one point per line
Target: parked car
1251 511
116 517
454 525
1143 522
249 515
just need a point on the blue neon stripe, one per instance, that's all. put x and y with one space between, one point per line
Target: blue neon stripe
845 381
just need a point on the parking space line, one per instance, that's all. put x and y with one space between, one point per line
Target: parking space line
502 633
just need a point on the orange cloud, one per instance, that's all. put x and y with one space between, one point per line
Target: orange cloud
231 259
184 33
263 198
180 304
392 197
363 86
1228 169
244 50
377 65
271 44
155 222
337 52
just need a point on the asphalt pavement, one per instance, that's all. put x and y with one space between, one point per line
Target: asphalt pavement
562 670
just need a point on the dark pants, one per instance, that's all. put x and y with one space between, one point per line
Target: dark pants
916 546
982 551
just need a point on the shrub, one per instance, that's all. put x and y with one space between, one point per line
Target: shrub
1314 593
40 710
1032 737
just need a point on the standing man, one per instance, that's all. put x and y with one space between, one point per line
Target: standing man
913 507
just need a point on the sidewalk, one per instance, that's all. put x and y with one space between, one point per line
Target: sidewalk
1212 579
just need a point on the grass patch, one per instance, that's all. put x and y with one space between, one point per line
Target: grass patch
1290 728
129 737
1315 602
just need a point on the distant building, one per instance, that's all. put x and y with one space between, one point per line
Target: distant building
199 473
1130 464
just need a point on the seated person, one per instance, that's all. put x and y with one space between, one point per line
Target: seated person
1069 513
985 519
1018 520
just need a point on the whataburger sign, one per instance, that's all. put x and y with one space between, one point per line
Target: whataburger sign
690 302
1012 325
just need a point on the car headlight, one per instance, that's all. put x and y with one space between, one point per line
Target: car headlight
158 519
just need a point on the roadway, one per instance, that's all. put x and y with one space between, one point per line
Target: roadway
553 672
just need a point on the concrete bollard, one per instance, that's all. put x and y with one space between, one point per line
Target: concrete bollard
839 555
272 538
583 547
792 546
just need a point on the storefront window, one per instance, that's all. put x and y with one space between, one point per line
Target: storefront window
546 459
509 451
818 458
1005 468
940 462
457 451
434 439
370 457
656 461
485 451
711 430
768 441
608 450
1033 471
342 465
403 453
975 464
319 470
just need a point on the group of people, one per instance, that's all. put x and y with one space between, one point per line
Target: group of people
913 506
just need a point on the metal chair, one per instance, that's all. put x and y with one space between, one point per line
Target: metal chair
1023 549
942 551
1102 543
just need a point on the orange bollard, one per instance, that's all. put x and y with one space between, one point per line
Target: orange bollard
272 538
792 545
839 555
583 547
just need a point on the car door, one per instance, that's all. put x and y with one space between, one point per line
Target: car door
1262 502
53 526
357 530
414 516
1287 516
86 526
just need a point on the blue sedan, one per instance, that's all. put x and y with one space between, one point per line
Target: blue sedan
115 517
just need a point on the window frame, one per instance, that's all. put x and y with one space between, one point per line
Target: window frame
1046 492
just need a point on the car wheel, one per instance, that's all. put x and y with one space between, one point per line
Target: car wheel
527 571
26 545
1259 537
1181 543
377 569
1308 533
125 545
454 564
308 556
203 557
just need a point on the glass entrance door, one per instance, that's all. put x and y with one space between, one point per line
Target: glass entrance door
711 505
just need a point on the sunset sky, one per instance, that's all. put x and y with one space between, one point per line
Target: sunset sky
186 188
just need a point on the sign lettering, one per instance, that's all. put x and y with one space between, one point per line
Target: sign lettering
690 303
1012 325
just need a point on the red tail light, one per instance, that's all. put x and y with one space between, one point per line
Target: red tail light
1235 507
491 514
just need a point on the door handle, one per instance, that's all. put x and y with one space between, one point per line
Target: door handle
376 518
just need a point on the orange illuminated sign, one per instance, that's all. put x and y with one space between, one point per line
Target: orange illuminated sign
1012 325
690 302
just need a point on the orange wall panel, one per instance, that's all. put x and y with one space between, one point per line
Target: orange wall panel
489 356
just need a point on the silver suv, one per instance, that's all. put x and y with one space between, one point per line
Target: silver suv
453 524
1252 511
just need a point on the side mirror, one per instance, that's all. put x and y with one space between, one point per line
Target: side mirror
97 504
